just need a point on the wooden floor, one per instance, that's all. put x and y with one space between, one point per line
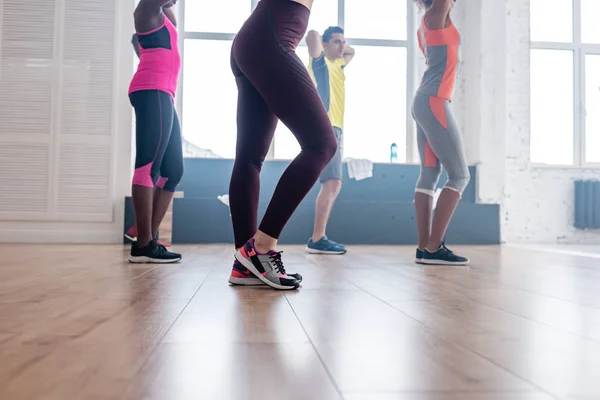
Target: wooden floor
79 323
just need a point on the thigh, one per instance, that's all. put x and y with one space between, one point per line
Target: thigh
172 162
154 121
290 93
442 134
451 151
426 154
256 123
421 141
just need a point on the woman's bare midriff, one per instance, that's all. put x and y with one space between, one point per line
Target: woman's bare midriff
306 3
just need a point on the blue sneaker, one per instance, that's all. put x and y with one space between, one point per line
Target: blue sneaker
325 246
419 257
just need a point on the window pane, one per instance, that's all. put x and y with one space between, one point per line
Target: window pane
376 103
592 105
323 15
209 96
590 28
552 107
552 20
222 16
376 19
286 145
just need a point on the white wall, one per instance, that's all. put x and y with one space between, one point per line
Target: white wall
537 202
48 224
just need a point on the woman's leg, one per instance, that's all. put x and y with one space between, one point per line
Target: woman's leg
289 91
443 135
171 171
154 121
256 125
264 54
428 180
294 99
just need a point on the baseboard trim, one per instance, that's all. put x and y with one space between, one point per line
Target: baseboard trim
108 234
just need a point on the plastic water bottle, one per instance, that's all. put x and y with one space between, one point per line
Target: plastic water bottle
393 153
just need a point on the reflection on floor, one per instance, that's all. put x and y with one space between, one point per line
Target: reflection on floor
78 322
583 250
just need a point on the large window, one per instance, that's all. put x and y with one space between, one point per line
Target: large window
376 80
565 82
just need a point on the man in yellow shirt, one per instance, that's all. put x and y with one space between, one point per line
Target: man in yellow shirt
329 56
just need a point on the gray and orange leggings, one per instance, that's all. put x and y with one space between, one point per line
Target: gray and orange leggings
440 144
159 151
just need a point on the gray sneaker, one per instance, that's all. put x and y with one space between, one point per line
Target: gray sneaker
266 267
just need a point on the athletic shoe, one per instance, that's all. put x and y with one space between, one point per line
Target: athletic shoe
131 234
443 256
154 253
242 276
419 257
266 267
325 246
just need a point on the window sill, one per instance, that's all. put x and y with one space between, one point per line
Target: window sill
586 167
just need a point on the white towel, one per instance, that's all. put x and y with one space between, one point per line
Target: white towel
225 200
359 169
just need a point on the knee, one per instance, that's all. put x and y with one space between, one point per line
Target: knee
244 163
171 179
328 149
145 176
458 181
332 187
322 152
428 179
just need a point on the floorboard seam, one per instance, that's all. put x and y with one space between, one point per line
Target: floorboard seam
462 346
327 371
158 342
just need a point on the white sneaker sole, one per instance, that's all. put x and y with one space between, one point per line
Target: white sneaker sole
418 260
442 262
245 281
149 260
315 251
132 238
248 264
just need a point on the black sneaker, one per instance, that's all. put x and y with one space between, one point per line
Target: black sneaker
443 256
266 267
154 253
419 257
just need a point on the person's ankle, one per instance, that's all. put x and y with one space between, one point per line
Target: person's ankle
143 242
432 247
262 248
316 238
264 243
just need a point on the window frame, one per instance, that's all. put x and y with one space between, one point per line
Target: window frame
580 51
410 45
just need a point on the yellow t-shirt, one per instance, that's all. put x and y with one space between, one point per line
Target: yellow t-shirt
330 79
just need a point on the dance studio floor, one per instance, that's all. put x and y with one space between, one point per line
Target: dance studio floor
79 323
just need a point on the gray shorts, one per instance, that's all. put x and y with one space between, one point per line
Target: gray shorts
333 170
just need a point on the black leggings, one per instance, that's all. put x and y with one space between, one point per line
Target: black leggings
159 151
274 84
